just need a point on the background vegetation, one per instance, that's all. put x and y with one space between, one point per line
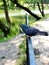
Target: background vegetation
13 22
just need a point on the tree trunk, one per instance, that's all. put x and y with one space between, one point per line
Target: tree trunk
26 9
41 10
6 12
4 29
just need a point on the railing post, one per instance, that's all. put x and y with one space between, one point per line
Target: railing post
30 52
29 48
26 18
27 51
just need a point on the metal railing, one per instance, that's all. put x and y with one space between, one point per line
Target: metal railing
29 48
30 52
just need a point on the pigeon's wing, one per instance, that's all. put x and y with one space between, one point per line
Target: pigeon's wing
31 31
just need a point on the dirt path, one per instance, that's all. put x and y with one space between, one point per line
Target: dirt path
9 50
42 43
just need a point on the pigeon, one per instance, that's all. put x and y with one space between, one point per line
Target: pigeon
32 31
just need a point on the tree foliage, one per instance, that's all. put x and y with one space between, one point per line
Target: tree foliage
41 9
26 9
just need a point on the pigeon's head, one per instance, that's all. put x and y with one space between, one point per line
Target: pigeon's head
23 26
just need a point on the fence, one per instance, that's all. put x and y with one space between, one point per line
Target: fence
29 49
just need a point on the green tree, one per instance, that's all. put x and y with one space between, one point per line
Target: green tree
3 27
6 12
26 9
42 8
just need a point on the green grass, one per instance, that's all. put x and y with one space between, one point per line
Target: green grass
1 11
16 10
22 57
16 21
15 29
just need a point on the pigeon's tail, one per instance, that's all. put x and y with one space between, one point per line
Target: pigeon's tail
43 33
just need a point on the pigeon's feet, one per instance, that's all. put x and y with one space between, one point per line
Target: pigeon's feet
29 36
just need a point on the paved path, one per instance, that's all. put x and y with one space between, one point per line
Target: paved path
23 13
38 12
43 25
9 50
42 43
